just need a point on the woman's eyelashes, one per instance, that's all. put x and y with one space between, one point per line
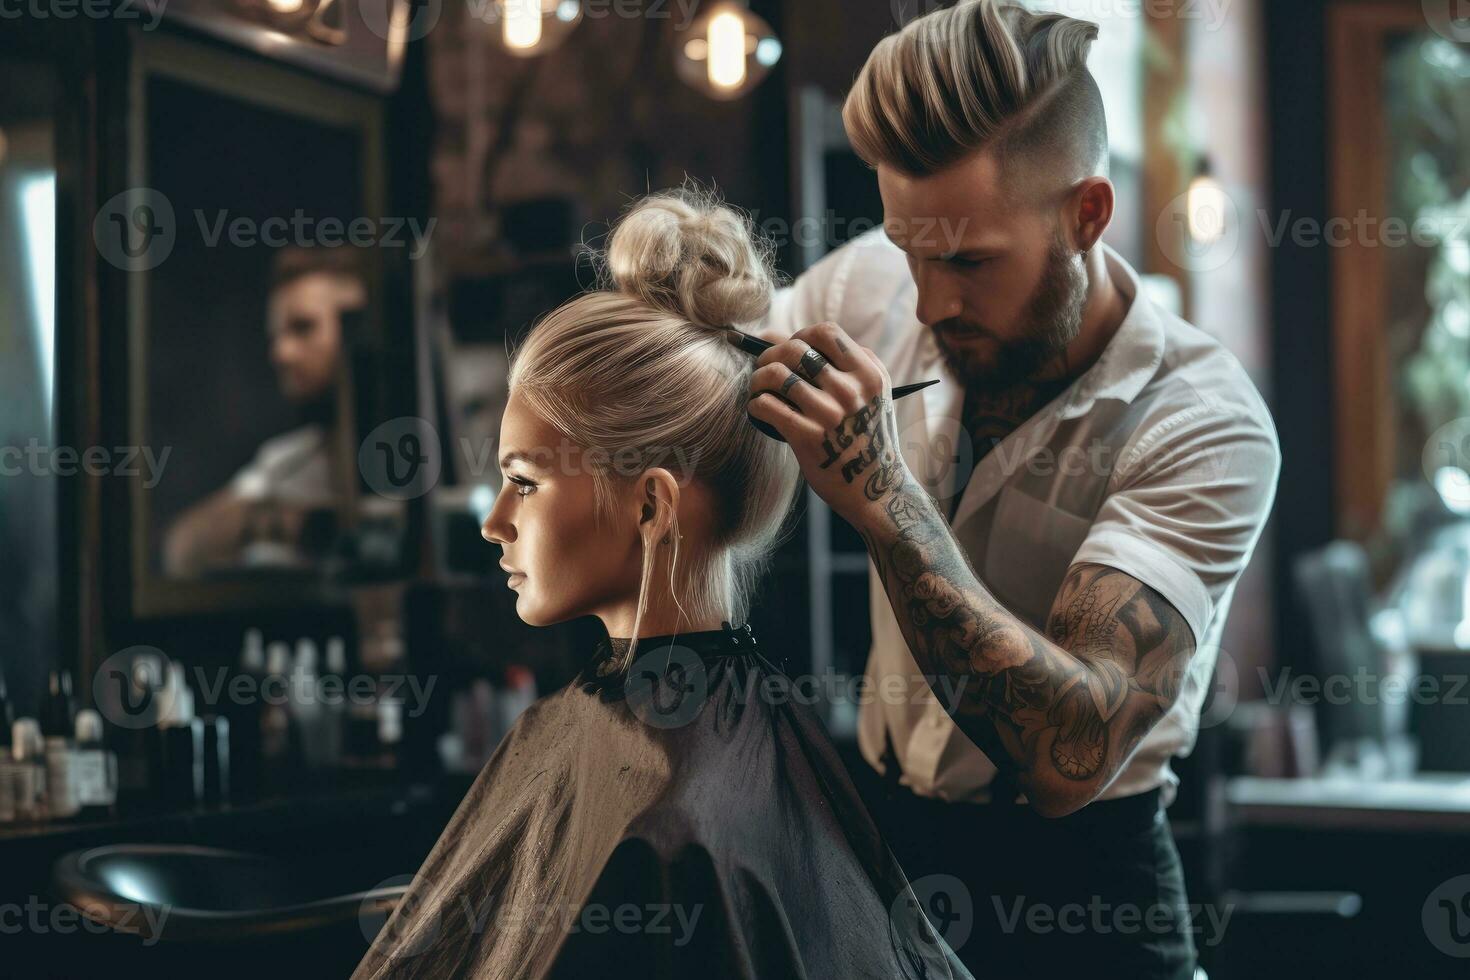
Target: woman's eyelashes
524 487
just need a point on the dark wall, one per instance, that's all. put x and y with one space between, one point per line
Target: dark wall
1301 341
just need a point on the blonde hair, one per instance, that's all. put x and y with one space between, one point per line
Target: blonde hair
641 369
981 74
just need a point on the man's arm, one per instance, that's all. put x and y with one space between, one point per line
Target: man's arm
1068 708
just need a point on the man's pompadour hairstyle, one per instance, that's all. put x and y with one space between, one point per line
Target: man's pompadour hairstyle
985 73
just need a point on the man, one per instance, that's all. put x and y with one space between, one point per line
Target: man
1062 603
260 516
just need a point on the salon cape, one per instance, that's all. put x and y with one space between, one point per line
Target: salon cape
689 820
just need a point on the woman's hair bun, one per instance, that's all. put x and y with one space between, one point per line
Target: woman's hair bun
687 253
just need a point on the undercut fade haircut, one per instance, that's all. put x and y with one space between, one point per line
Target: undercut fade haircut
986 75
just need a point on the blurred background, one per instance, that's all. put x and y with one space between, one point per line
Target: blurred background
260 265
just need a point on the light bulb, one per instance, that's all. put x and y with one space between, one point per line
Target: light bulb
532 27
729 52
1206 208
285 6
522 25
726 50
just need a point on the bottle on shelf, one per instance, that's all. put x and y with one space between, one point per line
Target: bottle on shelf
59 715
28 769
276 740
94 766
304 703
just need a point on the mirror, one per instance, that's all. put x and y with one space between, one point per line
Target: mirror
255 258
29 460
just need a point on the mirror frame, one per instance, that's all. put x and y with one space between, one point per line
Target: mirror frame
277 89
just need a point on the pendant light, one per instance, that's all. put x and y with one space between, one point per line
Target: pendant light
728 51
527 28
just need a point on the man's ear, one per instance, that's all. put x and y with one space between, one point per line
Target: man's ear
1090 211
658 502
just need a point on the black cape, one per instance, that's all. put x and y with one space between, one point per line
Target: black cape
685 819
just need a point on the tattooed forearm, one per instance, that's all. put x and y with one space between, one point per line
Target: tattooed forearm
1067 708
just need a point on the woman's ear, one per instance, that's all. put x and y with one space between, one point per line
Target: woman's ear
658 503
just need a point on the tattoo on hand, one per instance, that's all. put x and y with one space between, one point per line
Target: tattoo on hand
870 429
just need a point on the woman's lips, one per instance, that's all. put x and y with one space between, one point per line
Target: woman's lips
516 578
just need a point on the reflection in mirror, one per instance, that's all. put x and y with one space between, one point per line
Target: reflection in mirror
28 467
249 340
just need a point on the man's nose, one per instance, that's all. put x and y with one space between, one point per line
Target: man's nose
938 299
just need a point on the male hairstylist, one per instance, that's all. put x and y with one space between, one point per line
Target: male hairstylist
1062 602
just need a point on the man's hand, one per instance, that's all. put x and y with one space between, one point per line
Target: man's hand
838 420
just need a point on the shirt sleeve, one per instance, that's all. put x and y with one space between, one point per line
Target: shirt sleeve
1188 504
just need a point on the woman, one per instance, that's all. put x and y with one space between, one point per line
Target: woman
668 814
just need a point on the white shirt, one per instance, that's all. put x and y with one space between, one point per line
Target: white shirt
1161 461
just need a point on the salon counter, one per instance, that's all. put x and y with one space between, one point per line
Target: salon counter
1428 802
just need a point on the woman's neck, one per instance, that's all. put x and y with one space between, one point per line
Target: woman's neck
662 624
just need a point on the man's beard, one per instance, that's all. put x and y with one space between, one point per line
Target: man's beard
1052 320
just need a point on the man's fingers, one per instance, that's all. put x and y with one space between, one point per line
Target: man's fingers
813 402
882 368
836 346
787 420
785 359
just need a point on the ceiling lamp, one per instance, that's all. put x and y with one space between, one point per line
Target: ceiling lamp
1207 206
531 27
729 51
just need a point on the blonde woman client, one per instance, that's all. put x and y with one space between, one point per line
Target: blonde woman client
658 817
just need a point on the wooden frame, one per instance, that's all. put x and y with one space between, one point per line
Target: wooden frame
279 90
1364 400
366 50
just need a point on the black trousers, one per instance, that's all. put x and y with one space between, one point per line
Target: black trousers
1020 897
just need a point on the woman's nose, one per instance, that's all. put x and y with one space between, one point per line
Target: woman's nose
496 529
